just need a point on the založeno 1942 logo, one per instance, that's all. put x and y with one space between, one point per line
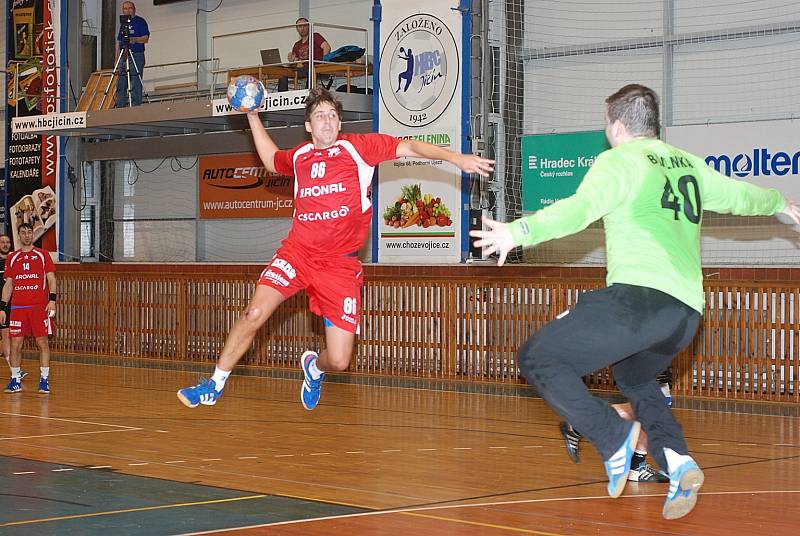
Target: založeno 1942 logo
419 70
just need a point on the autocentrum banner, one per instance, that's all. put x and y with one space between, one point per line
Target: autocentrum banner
553 165
239 186
418 206
34 57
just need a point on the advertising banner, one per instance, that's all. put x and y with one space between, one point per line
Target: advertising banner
238 186
766 153
35 86
273 102
553 165
418 206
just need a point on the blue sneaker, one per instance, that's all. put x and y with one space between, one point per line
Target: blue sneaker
309 394
204 392
683 487
618 464
13 386
44 386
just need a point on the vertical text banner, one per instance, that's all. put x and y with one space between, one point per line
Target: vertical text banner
418 206
553 165
34 61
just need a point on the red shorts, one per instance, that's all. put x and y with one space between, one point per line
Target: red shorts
333 285
30 322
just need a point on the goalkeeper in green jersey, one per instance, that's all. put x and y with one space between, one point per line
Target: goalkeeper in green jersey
651 197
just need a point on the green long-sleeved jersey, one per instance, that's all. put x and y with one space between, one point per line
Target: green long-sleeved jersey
651 197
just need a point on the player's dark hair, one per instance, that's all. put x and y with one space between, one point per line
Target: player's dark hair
636 107
25 226
316 97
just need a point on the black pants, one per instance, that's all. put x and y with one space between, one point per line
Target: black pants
639 331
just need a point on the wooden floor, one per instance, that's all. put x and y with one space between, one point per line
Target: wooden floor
112 451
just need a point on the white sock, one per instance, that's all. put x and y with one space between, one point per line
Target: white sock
15 372
665 389
44 371
220 377
675 460
314 370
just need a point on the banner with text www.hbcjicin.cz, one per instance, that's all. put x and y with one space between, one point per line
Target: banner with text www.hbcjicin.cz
418 206
35 86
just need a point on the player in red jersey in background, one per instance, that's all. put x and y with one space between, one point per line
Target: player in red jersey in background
30 275
332 213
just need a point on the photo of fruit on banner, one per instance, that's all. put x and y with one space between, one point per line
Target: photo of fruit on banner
413 208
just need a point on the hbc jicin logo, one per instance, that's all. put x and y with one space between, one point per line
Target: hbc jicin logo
419 70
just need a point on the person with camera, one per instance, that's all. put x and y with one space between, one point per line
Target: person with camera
132 37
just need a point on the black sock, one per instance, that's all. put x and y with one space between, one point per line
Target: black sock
637 460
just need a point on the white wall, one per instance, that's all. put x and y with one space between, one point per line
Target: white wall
567 94
555 23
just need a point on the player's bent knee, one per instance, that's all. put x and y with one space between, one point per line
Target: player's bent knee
339 363
253 314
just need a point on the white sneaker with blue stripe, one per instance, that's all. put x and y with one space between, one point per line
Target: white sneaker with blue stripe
684 484
309 393
618 464
204 392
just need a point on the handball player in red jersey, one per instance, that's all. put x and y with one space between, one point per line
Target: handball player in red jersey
332 214
31 277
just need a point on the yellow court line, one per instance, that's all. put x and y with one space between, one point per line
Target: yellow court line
64 420
129 510
71 434
488 525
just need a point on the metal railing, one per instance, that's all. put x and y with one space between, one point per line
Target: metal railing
312 61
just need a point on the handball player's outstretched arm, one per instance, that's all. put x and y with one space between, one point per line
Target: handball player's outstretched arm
265 147
465 162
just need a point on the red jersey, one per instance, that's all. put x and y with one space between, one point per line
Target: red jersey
300 49
29 271
332 210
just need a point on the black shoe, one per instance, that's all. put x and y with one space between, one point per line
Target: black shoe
647 473
572 440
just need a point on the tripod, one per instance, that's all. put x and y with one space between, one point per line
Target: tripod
129 59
